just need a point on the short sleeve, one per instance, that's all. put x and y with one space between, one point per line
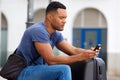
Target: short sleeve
40 36
60 37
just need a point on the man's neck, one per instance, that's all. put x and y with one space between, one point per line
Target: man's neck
49 27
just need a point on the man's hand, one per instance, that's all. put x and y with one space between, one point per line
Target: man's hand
96 50
88 54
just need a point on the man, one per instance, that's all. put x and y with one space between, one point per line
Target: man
37 44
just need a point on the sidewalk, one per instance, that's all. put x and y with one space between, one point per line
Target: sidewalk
113 78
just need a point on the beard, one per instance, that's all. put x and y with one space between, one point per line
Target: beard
56 27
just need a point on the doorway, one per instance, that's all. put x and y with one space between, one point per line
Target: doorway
3 54
90 37
90 29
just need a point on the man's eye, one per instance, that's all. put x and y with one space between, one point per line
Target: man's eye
62 17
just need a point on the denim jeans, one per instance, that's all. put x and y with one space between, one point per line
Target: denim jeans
45 72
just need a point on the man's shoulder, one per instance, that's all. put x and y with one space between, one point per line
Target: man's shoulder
36 27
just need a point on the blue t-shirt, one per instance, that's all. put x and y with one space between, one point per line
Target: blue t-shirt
36 33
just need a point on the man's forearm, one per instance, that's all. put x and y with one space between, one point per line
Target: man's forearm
78 50
67 59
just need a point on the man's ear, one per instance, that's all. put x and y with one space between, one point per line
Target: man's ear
49 16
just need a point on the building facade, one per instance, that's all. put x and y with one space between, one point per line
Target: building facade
89 22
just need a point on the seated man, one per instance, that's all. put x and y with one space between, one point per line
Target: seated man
37 46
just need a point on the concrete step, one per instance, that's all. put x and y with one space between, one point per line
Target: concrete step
2 78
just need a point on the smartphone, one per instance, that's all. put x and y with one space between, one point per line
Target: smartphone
97 47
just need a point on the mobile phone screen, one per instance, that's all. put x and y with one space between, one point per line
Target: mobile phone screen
97 47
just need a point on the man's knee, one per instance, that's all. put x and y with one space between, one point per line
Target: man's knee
65 68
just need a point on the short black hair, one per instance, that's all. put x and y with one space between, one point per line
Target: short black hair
54 5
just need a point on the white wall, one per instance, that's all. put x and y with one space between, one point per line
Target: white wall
15 12
111 11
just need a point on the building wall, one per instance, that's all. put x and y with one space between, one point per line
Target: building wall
16 14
